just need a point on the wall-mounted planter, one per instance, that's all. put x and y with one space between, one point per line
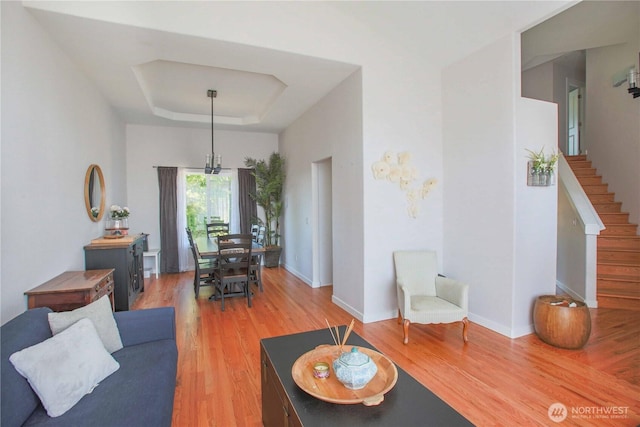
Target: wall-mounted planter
539 179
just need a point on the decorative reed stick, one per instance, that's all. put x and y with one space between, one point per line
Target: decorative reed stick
331 330
346 335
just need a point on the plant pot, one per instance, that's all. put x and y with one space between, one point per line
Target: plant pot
272 256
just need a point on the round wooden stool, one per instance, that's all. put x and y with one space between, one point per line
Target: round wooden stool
562 321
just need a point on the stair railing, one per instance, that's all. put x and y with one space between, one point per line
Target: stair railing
578 228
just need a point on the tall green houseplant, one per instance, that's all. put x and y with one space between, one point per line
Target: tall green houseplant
270 176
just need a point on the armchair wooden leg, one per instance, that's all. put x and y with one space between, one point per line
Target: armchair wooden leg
399 318
465 325
405 329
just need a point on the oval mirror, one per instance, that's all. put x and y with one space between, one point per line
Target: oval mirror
94 194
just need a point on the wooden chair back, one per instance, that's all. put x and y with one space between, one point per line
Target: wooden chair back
217 228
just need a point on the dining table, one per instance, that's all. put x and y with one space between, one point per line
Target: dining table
208 246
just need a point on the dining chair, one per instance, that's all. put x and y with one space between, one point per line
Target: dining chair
255 270
215 229
205 267
260 236
426 297
234 266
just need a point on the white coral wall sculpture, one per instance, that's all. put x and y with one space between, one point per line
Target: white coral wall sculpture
398 169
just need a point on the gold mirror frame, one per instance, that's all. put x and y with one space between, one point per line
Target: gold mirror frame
87 199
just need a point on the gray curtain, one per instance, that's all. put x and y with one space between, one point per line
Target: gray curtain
246 205
167 183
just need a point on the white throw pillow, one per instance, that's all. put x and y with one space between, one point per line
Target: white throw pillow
100 314
62 369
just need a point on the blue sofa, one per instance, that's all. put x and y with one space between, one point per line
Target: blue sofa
140 393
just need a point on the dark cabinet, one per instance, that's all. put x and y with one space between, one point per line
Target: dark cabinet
276 407
125 256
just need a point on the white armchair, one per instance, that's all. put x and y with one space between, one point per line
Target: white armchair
424 297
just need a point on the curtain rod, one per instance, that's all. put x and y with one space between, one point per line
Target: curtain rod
185 167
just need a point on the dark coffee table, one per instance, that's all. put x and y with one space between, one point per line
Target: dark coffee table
408 403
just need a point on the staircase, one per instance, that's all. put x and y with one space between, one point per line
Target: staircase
618 270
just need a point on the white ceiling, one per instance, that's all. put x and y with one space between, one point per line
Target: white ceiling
158 78
587 25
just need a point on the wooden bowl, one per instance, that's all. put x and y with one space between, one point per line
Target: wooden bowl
560 325
331 390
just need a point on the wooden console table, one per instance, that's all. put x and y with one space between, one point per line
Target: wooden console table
408 403
72 289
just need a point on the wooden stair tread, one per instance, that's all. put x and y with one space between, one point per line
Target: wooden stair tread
584 171
631 238
626 292
618 303
601 198
625 225
607 207
633 278
590 180
619 230
590 189
609 242
620 294
621 250
622 262
614 217
619 255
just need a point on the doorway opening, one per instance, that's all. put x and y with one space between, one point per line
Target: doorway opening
575 116
322 223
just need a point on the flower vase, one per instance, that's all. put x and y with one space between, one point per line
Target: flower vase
117 227
543 179
551 178
535 178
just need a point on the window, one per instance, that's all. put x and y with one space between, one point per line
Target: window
208 198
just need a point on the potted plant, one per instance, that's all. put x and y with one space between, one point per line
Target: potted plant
270 177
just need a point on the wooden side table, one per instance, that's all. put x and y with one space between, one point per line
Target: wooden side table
72 289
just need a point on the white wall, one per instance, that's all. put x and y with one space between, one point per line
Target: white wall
332 128
149 146
494 226
537 82
613 122
548 82
54 125
535 214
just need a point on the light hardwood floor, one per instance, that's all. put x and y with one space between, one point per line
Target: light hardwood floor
492 380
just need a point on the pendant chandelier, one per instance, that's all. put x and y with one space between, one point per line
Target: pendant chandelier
214 163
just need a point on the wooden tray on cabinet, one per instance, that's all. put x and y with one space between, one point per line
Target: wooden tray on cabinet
332 390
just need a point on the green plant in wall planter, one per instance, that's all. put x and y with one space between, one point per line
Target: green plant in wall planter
270 176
